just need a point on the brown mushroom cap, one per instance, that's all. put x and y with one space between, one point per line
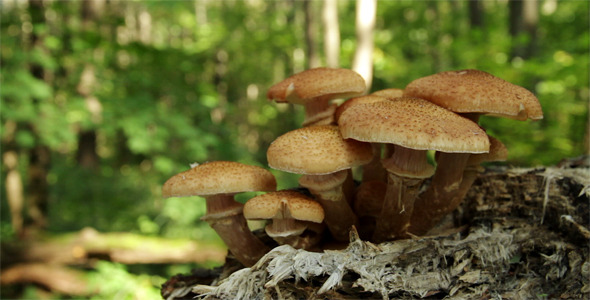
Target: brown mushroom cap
316 150
318 82
219 177
268 206
413 123
498 152
356 100
390 93
474 91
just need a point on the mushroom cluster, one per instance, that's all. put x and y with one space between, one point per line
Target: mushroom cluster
364 163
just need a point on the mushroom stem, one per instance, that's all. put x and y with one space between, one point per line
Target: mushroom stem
319 112
328 190
406 169
374 171
367 205
439 198
225 216
298 234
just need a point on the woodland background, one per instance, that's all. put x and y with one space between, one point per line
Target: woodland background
102 101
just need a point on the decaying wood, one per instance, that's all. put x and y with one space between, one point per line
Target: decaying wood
520 234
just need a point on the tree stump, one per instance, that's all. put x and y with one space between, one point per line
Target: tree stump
519 234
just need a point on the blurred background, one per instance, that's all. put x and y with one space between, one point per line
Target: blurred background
102 101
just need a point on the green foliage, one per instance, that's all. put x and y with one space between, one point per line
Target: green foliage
113 281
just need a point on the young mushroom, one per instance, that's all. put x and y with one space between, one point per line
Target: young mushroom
315 88
325 159
413 126
296 218
218 182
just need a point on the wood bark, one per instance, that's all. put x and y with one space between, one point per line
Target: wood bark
520 234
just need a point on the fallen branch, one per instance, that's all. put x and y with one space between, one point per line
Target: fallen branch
86 246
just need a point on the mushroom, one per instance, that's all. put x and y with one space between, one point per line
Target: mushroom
475 91
218 182
428 213
470 93
390 93
413 126
315 88
296 218
325 159
372 170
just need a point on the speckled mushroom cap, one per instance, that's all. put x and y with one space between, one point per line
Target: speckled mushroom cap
474 91
316 150
356 100
390 93
498 152
219 177
269 205
413 123
318 82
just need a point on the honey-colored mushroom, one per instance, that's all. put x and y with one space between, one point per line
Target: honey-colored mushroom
218 182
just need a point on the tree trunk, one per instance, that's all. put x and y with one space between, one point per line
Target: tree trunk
331 33
520 234
524 18
476 16
366 11
14 190
311 35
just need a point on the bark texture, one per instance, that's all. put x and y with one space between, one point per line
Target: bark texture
520 234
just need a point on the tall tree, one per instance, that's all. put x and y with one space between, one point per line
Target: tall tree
524 19
331 33
39 155
311 34
476 15
366 11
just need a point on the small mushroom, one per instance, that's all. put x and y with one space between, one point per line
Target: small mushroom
325 159
218 182
413 126
315 88
296 218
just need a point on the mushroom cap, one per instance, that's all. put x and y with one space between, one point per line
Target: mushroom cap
356 100
219 177
413 123
318 82
390 93
323 182
475 91
316 150
498 152
270 205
